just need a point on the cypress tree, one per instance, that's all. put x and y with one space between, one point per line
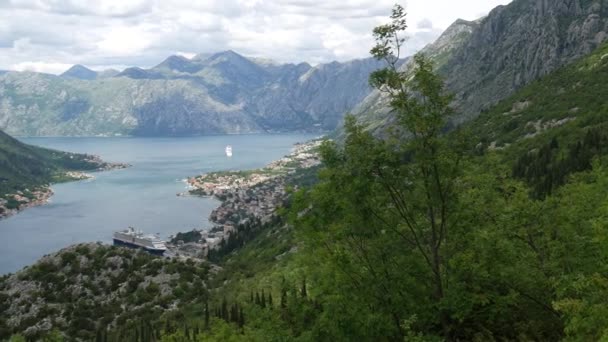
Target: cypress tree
234 314
207 314
257 299
225 310
283 298
263 299
241 318
303 290
270 299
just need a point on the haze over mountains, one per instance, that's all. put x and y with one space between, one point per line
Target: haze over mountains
208 94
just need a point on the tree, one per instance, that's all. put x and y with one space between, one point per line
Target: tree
379 196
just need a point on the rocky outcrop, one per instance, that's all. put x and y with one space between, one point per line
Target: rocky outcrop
511 47
84 287
519 43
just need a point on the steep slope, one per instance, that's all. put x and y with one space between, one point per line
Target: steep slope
374 110
514 45
220 93
316 96
553 127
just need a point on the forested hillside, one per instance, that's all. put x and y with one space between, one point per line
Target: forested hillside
496 230
455 237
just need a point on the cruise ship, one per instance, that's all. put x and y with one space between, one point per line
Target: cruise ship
136 239
229 151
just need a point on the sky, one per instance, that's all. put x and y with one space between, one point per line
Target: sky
52 35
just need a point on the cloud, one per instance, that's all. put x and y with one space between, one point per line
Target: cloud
53 68
44 35
425 23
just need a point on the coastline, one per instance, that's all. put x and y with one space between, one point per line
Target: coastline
247 198
15 202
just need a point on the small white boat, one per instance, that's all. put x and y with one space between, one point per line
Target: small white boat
229 151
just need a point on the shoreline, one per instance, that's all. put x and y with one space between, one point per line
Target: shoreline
246 197
15 202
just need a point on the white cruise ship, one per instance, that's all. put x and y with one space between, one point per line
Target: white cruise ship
136 239
229 151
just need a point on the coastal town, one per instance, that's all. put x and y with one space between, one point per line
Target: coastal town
245 196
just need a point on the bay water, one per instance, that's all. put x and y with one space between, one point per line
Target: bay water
143 196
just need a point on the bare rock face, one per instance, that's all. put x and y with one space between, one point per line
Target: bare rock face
519 43
485 61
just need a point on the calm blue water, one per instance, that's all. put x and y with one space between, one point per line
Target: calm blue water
143 196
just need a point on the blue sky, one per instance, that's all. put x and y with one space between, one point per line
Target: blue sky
52 35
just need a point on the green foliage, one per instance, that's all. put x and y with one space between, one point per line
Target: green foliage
418 239
23 166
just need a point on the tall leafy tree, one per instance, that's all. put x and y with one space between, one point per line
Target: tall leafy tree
378 196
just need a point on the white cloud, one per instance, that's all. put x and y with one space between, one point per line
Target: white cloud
52 68
125 41
45 34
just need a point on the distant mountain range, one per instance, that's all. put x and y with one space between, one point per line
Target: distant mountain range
208 94
487 60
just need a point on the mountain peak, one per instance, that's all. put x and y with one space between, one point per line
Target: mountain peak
178 63
80 72
228 55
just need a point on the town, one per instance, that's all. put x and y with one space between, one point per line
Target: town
246 196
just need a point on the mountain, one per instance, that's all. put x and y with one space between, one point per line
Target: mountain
514 45
80 72
208 94
107 73
177 63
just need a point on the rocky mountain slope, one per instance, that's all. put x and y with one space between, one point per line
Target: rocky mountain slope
84 289
220 93
514 45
